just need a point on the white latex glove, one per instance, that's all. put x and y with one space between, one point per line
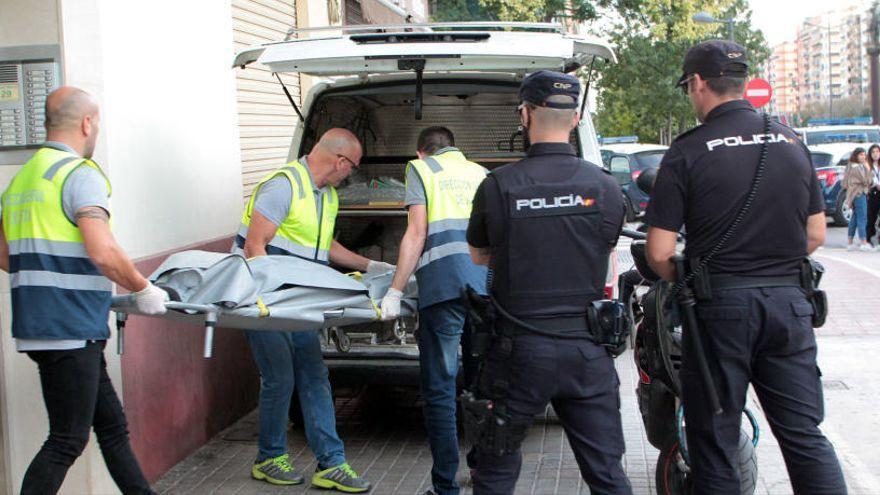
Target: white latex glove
391 304
379 267
151 300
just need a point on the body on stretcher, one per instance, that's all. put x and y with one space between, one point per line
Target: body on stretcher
267 293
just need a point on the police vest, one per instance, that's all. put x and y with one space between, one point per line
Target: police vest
302 233
554 260
445 266
57 292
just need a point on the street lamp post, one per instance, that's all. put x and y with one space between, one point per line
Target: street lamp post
708 18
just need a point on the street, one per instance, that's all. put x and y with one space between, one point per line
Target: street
385 441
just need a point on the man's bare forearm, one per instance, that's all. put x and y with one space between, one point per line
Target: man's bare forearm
816 229
480 256
105 252
660 249
340 255
411 247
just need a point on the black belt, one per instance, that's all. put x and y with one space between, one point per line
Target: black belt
725 281
566 327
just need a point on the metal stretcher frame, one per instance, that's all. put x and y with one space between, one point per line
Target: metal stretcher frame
211 316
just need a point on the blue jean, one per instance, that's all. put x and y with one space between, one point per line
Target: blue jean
440 329
288 361
859 218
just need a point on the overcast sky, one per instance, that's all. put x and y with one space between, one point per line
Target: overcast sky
779 19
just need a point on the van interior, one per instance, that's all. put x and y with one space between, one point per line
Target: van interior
482 116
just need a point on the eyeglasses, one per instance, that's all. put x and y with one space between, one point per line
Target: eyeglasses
684 85
353 163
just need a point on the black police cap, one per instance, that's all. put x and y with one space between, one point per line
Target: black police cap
715 58
539 86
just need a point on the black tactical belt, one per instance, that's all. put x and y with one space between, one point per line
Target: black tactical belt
573 327
746 282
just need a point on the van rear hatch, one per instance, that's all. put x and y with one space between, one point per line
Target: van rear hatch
440 49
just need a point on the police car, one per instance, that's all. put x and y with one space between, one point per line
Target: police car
830 162
386 84
829 131
626 158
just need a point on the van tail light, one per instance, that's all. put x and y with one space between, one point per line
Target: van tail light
828 177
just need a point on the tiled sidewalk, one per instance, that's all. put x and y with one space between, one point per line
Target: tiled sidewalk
386 443
385 440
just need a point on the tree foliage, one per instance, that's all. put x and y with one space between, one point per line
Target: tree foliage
528 10
638 96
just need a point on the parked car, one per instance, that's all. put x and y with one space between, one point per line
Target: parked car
830 161
626 161
386 87
841 134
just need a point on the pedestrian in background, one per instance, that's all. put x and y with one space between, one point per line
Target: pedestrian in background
873 194
858 181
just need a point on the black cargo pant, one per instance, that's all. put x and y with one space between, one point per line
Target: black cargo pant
763 336
79 396
579 379
873 212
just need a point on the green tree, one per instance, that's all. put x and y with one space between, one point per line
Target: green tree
527 10
638 96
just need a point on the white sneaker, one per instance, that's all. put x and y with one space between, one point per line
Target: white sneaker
866 247
851 247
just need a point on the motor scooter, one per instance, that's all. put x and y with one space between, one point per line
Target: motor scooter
657 344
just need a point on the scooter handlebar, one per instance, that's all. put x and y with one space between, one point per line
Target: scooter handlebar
633 234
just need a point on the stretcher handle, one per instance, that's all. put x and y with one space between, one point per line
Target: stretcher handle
121 303
211 312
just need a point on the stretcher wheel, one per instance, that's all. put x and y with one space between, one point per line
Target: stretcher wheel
340 339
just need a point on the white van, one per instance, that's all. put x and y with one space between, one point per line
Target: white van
387 83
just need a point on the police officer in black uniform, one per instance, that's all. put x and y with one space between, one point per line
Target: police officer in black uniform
754 319
546 226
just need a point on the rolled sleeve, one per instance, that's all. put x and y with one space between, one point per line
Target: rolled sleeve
666 209
415 188
273 199
85 187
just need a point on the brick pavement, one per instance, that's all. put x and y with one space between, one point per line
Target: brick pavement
386 443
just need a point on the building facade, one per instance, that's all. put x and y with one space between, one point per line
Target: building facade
782 73
832 58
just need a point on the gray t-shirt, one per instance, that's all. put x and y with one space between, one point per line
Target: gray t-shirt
274 197
84 187
415 190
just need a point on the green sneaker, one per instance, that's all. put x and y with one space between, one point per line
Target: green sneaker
277 471
342 478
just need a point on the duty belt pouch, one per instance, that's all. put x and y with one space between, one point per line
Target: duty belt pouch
480 320
811 274
609 324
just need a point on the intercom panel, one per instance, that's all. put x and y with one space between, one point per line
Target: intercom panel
27 75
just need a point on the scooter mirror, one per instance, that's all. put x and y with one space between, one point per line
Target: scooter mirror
646 179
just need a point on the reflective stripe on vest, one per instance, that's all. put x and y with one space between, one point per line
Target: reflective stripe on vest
450 182
302 233
57 291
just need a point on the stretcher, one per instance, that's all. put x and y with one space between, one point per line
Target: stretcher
266 293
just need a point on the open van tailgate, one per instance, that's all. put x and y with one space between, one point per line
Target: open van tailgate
442 51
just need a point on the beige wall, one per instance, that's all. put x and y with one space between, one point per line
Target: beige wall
169 142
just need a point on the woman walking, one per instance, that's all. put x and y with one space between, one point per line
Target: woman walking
858 181
873 194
